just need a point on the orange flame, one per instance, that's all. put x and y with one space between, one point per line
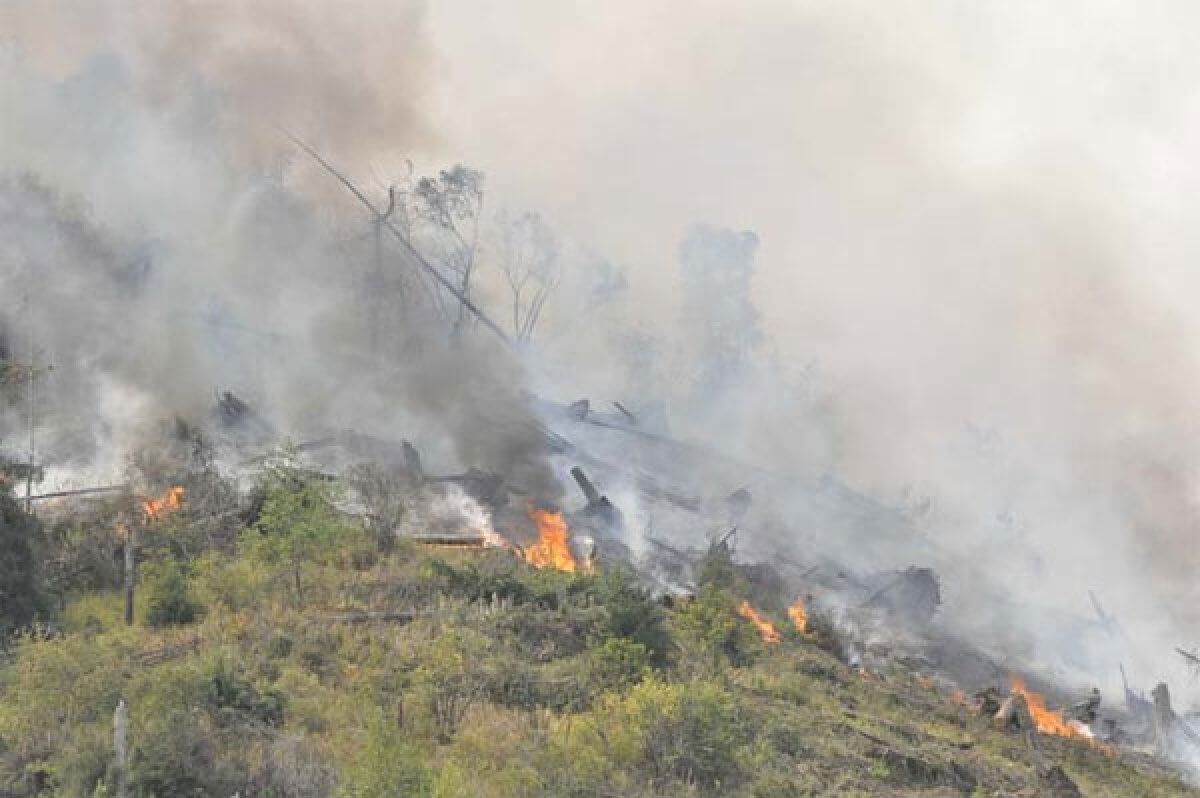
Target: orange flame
1049 721
765 627
551 549
960 698
153 509
799 615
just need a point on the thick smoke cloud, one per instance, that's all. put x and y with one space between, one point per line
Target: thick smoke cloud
976 240
170 248
974 268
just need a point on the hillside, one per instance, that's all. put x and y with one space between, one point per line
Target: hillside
300 656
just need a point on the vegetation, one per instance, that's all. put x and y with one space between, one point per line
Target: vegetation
21 595
490 678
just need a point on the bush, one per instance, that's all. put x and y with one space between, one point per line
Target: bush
56 713
711 635
20 591
232 697
613 666
177 758
298 522
616 665
169 600
499 573
633 614
452 678
388 765
494 575
689 733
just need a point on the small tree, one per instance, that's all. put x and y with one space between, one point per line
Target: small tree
710 635
633 613
168 598
20 590
387 765
298 521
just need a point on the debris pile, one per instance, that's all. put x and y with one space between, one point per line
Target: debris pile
880 623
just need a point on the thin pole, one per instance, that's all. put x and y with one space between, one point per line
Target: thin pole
32 413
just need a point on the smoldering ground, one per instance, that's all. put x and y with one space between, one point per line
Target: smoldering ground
972 270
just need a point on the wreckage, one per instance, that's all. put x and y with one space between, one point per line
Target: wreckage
690 502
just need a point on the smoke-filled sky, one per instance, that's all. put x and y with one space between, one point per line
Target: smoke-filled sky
976 222
976 245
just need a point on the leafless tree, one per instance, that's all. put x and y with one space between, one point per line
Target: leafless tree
385 493
531 267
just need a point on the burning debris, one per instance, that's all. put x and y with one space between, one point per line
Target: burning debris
1045 720
168 502
799 616
552 548
765 628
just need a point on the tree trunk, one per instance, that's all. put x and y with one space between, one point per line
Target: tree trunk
296 574
130 573
1163 717
121 748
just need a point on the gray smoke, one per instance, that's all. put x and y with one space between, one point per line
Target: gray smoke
161 244
973 274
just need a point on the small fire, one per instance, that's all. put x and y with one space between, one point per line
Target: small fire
960 698
153 509
551 549
799 615
1049 721
765 627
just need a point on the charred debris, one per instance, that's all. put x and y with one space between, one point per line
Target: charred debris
677 513
875 621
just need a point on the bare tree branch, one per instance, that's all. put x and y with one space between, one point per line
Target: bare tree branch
404 242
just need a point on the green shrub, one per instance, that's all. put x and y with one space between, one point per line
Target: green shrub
633 613
494 575
388 765
57 693
711 635
298 522
232 697
616 665
169 599
501 574
575 684
452 677
20 589
664 733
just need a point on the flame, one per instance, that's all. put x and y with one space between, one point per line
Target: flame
960 698
799 615
765 627
153 509
551 549
1049 721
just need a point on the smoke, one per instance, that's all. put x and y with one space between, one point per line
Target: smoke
975 240
237 72
972 278
161 245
